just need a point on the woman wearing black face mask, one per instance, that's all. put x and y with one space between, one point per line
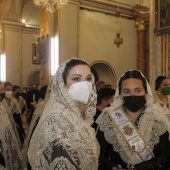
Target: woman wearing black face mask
130 134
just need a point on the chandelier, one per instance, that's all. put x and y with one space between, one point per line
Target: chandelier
50 5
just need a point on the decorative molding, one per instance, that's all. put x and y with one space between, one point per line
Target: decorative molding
106 6
18 26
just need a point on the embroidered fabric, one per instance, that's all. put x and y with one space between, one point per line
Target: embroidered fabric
63 137
12 108
36 116
159 104
9 145
150 127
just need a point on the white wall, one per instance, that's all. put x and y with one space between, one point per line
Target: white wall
27 66
95 41
68 33
31 13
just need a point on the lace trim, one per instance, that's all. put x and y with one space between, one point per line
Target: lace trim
62 163
72 128
9 145
150 126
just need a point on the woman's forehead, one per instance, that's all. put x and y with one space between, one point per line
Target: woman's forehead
132 83
80 69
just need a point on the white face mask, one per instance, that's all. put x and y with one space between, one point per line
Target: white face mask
8 94
80 91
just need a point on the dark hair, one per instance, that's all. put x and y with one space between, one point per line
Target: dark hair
158 81
104 94
43 91
108 86
7 83
132 74
15 87
98 84
72 63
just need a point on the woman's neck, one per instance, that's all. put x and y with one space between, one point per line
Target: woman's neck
163 99
133 115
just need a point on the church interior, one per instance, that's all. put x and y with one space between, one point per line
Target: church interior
112 36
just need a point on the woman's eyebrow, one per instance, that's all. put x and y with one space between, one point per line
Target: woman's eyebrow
76 75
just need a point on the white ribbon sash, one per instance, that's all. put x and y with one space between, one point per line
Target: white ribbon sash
131 135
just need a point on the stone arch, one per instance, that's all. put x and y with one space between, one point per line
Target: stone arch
105 72
33 78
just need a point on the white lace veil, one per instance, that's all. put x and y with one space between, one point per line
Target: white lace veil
149 97
147 126
118 102
9 145
59 93
60 103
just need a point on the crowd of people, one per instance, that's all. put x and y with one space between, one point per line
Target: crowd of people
75 123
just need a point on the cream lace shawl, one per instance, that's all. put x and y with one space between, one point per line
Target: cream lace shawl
11 108
9 145
62 124
36 115
151 127
159 104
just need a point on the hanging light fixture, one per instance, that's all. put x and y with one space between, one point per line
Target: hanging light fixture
118 39
51 5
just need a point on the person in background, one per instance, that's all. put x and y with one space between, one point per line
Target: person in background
108 86
10 153
99 85
14 112
45 94
17 95
32 97
105 97
63 138
24 93
130 134
162 97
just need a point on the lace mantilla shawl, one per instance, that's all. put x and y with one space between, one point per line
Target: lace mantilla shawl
63 125
11 108
9 145
36 116
159 103
150 126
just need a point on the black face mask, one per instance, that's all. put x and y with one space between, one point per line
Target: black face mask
17 95
2 95
134 103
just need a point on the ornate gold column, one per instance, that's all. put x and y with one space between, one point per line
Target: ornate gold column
141 18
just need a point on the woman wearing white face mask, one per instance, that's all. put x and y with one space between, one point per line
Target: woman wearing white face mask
14 112
63 138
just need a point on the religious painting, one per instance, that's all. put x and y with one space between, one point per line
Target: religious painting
35 54
162 17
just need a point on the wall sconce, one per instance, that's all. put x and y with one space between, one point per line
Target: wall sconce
3 67
118 40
